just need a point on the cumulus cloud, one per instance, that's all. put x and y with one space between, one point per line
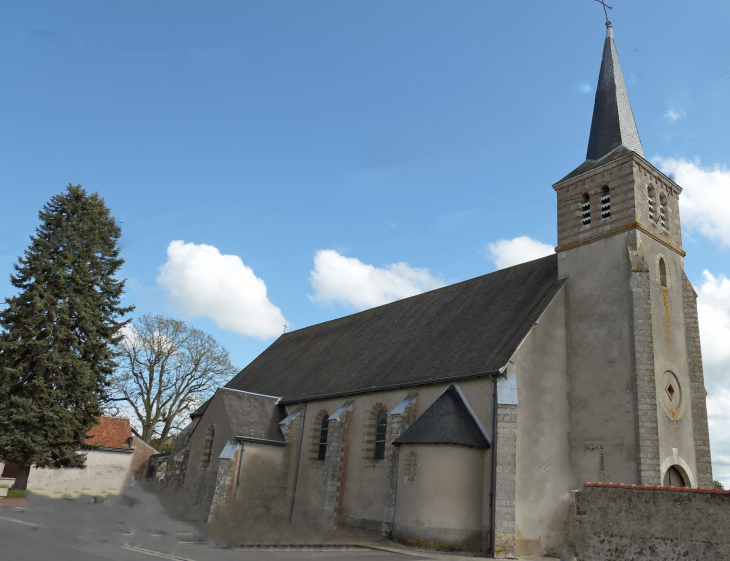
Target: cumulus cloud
204 282
506 253
350 282
674 116
705 200
713 307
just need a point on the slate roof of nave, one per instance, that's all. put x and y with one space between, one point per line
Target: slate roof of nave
449 420
464 330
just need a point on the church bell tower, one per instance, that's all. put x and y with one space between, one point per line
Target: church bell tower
637 393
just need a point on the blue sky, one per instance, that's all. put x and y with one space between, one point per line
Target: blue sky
362 134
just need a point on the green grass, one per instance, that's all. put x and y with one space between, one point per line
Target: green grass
4 486
16 494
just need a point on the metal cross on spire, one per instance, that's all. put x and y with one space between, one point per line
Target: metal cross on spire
604 7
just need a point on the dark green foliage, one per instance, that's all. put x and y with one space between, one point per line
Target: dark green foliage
57 333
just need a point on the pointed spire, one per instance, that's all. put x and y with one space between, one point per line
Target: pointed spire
613 122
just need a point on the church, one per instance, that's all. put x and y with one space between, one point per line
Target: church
462 418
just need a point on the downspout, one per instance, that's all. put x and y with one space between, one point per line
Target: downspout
494 461
299 455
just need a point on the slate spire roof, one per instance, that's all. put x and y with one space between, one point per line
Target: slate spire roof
613 122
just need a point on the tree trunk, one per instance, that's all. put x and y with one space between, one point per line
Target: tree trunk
21 480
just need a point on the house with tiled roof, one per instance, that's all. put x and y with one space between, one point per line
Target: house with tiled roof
116 455
465 416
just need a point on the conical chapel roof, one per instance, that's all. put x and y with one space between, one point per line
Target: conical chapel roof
613 122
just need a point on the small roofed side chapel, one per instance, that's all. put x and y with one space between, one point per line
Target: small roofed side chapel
463 418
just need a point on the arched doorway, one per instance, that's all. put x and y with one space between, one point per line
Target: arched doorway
674 477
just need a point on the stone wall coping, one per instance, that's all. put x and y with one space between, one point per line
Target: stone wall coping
659 488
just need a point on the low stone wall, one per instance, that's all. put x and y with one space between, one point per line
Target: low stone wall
647 523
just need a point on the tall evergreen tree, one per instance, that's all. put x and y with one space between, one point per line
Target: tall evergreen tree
57 334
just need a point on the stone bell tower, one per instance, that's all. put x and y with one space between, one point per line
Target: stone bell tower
637 391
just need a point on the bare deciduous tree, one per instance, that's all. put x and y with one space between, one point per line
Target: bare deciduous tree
165 368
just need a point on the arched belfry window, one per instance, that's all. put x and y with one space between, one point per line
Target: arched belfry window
652 204
605 203
207 446
586 209
380 430
323 430
662 273
663 210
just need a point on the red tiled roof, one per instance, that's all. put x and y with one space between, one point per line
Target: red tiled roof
111 432
659 488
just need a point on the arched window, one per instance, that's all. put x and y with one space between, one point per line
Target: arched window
605 203
586 209
662 273
207 446
663 210
324 429
380 430
652 204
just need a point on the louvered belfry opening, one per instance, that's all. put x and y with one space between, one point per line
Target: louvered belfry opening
586 209
605 203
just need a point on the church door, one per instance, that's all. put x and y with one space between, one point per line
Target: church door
673 478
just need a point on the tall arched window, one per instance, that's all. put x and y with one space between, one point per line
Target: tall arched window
380 430
586 209
662 273
605 203
663 210
652 204
324 429
207 446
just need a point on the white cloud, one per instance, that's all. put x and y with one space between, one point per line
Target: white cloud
203 282
506 253
713 308
673 115
705 200
350 282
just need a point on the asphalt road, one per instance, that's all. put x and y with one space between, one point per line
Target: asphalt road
53 529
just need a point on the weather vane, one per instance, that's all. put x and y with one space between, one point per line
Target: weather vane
604 7
285 326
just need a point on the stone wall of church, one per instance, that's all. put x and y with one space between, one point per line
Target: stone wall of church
543 469
366 491
616 524
647 431
697 385
439 502
629 180
505 447
189 494
599 312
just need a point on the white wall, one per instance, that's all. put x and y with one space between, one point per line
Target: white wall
105 474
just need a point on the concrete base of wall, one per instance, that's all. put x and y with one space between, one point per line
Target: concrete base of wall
445 539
